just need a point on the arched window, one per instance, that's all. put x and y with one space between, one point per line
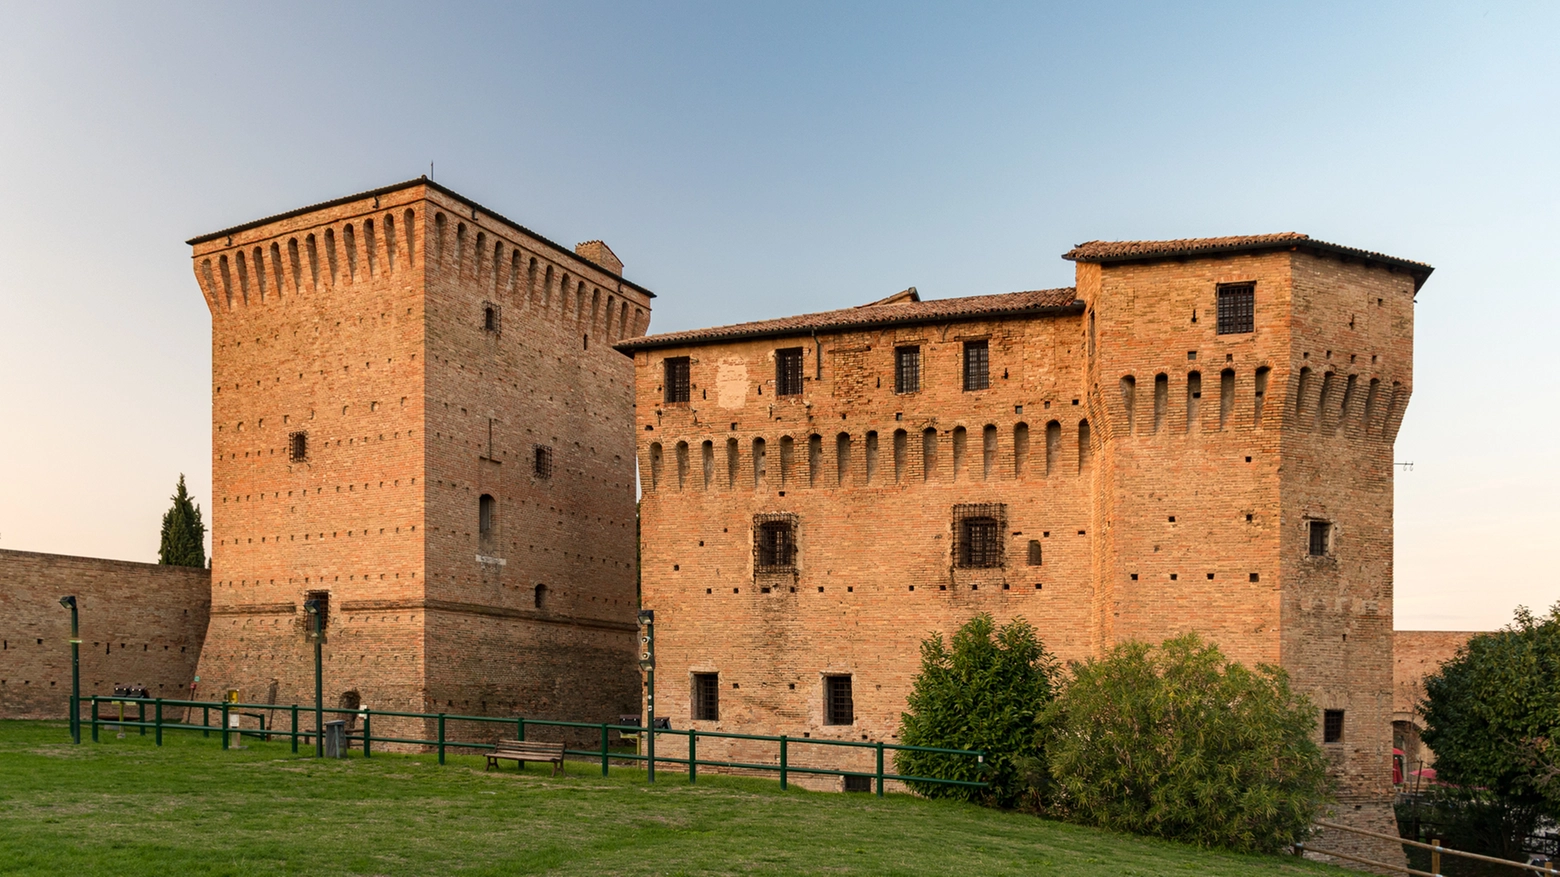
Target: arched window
485 508
541 596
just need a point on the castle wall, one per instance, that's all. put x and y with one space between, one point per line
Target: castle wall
141 624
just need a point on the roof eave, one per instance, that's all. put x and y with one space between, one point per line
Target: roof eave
1418 270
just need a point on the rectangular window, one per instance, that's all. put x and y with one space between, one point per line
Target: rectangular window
298 447
977 365
676 384
839 708
855 783
977 535
1332 726
907 369
1320 531
1237 308
706 697
1035 554
774 543
788 372
321 600
542 461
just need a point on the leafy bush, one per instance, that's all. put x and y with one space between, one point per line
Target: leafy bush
985 693
1177 742
1492 715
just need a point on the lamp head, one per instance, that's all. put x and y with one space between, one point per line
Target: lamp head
68 602
311 606
646 616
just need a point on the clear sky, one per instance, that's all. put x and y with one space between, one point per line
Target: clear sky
751 160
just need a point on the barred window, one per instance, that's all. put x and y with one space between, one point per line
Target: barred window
706 697
542 461
774 543
1319 534
1332 726
1237 307
977 535
788 372
298 447
907 369
676 385
839 708
977 365
491 316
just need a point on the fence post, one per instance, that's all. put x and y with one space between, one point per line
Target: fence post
603 748
295 728
880 768
441 738
205 721
141 716
782 762
693 756
368 733
1435 856
520 732
158 715
224 724
94 719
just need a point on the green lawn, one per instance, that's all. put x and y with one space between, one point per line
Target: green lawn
127 807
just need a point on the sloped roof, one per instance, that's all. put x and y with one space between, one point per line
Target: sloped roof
1135 251
894 311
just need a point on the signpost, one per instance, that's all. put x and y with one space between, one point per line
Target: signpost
647 664
317 633
75 670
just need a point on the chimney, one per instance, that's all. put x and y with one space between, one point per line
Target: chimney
601 254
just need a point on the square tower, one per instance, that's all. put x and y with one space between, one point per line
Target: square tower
418 418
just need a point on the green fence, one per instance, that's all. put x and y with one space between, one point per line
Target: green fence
153 714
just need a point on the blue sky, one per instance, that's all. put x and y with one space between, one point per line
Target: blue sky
753 160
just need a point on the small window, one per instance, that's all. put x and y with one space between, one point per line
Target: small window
907 369
298 447
540 596
788 372
542 461
1332 726
490 317
485 508
977 365
676 385
977 535
322 602
1320 536
1035 553
858 783
1236 308
839 708
706 697
774 543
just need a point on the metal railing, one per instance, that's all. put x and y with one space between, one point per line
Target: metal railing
1435 848
160 722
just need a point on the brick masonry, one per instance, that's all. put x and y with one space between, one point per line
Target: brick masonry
433 354
141 624
1167 473
1417 654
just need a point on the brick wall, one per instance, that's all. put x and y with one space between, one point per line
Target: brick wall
428 349
141 624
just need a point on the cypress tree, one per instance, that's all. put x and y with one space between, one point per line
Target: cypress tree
183 533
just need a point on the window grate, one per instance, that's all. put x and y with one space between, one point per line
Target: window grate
977 365
492 317
774 543
977 535
1319 533
706 697
907 369
1332 726
542 461
677 385
298 447
1237 308
838 706
788 372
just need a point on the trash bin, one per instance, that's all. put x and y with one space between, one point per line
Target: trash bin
336 739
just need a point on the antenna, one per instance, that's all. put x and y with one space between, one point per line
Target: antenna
430 170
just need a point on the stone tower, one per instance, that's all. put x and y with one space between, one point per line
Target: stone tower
418 418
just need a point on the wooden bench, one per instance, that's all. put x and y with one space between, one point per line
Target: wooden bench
521 751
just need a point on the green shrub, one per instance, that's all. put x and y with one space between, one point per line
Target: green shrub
986 692
1177 742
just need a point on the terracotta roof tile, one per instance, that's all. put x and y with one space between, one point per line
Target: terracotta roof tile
905 311
1128 251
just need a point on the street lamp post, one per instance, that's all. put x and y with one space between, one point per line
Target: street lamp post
75 670
647 664
317 633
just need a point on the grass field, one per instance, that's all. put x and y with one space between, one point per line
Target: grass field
126 807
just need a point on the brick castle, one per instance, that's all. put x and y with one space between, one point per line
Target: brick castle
419 420
1197 437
